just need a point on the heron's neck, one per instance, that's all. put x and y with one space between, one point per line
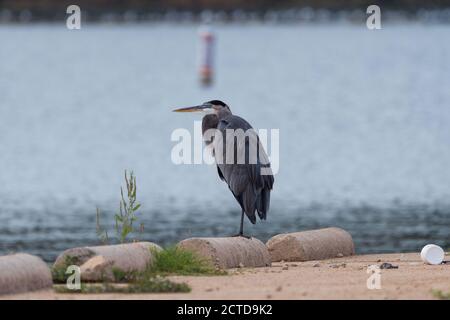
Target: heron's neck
223 113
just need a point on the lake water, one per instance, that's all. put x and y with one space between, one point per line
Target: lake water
363 117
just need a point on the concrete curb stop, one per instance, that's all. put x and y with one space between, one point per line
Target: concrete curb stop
311 245
98 263
23 272
230 252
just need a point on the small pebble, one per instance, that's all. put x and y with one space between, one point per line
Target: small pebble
285 268
279 288
316 265
388 265
343 265
339 255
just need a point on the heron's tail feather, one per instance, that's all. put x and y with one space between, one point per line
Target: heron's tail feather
248 203
263 203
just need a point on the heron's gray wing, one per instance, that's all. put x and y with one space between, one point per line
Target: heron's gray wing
259 172
234 174
243 175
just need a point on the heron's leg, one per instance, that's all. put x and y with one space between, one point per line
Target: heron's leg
241 229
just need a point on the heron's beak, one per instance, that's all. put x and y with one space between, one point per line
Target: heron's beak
192 109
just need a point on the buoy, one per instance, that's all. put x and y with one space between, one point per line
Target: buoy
206 54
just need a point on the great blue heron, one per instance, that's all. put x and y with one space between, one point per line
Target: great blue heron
250 180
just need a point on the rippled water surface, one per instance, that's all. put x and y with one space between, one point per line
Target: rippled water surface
363 117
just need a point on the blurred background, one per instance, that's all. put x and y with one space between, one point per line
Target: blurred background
363 117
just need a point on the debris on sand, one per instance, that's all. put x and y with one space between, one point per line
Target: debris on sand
387 265
338 265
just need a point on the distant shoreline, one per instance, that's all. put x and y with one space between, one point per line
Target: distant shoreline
288 16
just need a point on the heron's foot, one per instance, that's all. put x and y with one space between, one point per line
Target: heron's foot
241 235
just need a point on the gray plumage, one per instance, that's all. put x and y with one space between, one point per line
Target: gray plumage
243 172
250 188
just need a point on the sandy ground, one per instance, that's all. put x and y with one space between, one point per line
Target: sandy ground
340 278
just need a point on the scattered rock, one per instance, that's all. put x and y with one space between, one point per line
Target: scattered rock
388 265
97 268
209 289
269 296
340 255
241 265
285 268
279 288
316 265
338 265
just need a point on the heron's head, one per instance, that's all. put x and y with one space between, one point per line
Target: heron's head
213 106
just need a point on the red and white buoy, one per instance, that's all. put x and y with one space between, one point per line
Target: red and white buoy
206 54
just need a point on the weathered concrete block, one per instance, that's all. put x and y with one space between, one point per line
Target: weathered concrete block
97 263
23 272
97 268
229 252
311 245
